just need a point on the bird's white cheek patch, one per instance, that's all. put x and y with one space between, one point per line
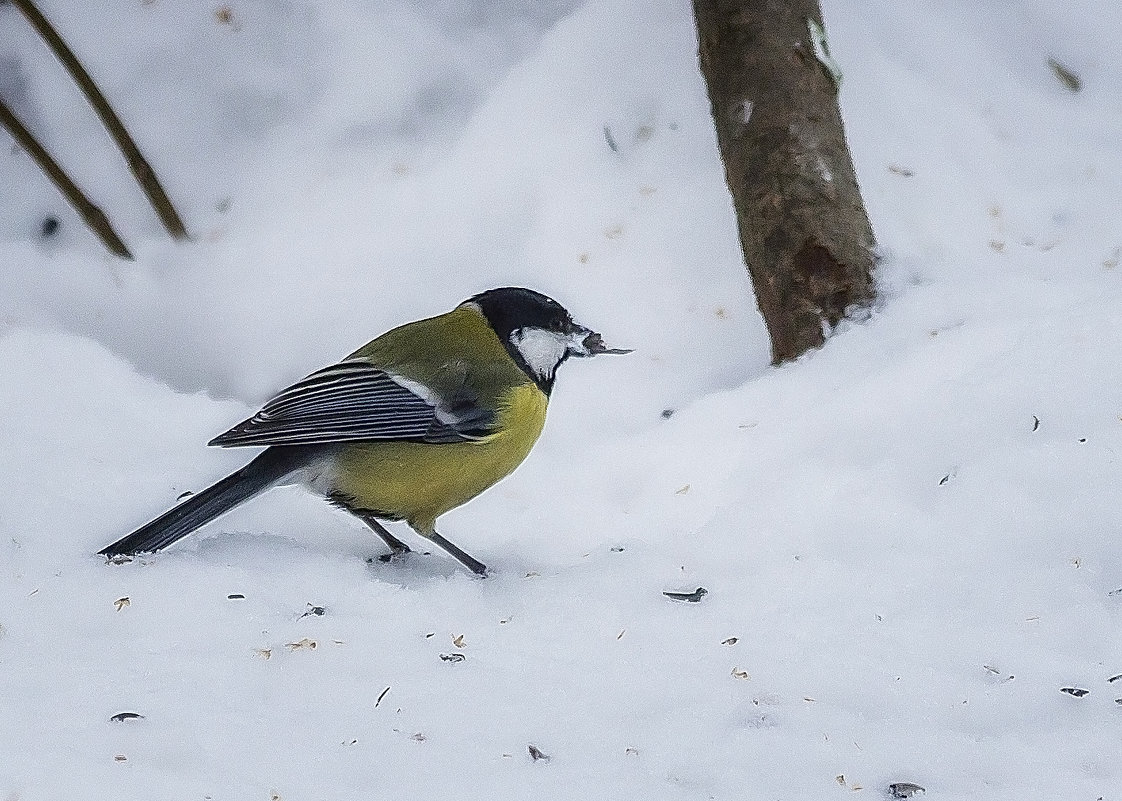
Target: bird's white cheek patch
543 350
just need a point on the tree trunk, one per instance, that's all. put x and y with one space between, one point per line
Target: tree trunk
803 228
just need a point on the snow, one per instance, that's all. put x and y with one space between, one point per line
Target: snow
912 533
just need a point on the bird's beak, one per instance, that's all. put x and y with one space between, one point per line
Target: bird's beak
589 343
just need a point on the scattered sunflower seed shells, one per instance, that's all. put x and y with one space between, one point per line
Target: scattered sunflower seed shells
453 657
1078 692
904 789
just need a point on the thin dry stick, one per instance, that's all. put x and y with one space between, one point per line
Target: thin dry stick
95 218
136 161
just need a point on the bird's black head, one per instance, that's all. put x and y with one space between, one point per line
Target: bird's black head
537 331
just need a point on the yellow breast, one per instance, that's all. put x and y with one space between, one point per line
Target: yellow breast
418 482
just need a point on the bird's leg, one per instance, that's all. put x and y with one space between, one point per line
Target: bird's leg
397 547
472 564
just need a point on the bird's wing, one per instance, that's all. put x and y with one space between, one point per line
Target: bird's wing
354 400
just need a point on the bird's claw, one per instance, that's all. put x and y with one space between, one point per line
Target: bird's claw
395 555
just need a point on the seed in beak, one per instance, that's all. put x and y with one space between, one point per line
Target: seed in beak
594 344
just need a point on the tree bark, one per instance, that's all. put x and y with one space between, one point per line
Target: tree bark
806 237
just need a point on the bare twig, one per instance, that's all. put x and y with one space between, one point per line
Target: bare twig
140 167
95 218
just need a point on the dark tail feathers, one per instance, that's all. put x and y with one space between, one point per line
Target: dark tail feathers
179 521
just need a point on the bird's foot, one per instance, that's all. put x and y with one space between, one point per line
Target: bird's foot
395 555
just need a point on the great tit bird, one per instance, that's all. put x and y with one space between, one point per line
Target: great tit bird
409 426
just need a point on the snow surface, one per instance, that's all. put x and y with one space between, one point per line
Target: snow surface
912 534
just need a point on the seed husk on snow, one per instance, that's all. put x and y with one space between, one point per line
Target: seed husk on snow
610 139
453 657
536 753
689 597
1078 692
121 717
904 789
318 611
1066 76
